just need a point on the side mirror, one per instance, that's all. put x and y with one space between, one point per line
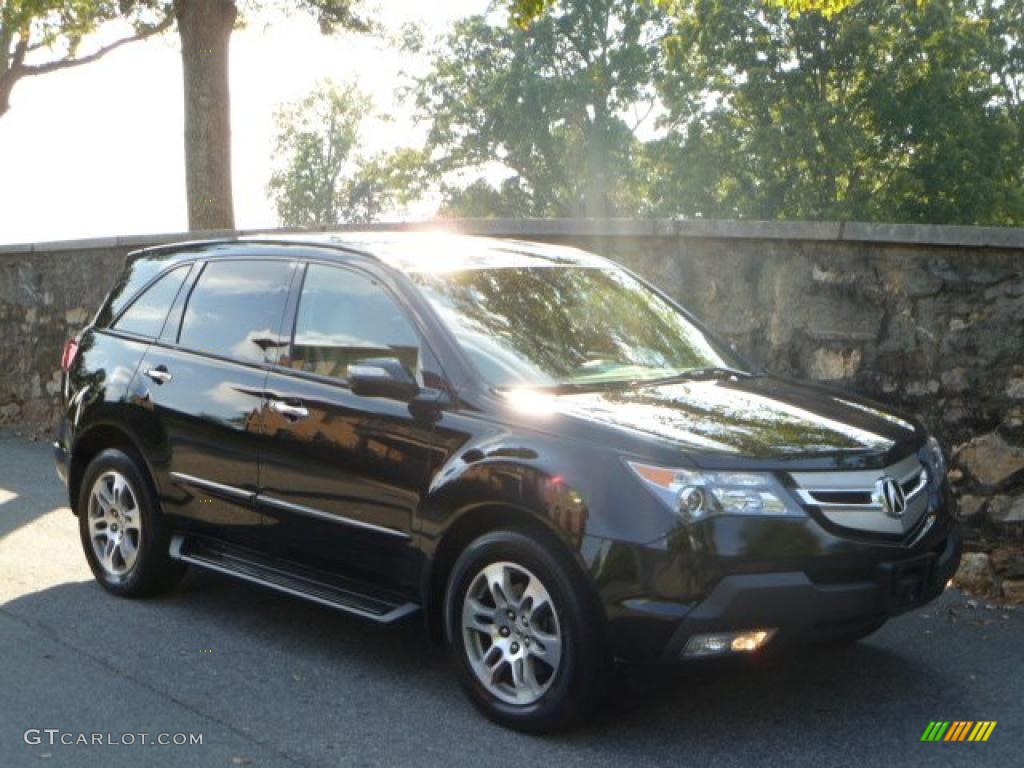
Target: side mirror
382 377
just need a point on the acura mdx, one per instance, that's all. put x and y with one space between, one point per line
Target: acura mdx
543 455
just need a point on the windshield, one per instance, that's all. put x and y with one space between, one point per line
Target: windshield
564 326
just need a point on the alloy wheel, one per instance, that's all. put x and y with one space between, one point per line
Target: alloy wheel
115 523
511 633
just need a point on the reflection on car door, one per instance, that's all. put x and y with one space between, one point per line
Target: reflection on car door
204 384
341 475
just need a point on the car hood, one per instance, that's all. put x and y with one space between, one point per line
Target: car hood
755 417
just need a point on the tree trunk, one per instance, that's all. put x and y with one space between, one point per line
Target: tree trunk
205 28
7 80
10 66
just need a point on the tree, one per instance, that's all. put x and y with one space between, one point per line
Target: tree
553 108
898 110
892 111
323 177
525 12
205 27
58 27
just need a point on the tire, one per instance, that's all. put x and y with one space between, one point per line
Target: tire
854 634
116 501
560 659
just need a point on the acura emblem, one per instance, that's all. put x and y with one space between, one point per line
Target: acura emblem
891 496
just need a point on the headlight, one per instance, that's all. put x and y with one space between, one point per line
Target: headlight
935 459
697 495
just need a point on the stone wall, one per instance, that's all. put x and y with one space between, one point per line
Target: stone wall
927 318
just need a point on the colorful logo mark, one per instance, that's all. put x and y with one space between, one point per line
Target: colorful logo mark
958 730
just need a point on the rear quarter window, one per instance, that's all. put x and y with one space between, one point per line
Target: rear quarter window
146 315
132 279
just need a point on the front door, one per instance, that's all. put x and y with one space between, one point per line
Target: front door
341 476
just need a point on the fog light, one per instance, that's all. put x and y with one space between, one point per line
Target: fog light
720 643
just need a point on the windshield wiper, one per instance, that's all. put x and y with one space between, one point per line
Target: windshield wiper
710 372
572 388
576 387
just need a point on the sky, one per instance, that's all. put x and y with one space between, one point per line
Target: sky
97 150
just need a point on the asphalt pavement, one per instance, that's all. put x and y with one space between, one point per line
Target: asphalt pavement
268 680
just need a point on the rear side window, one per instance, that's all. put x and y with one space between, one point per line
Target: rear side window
235 309
138 272
345 317
147 313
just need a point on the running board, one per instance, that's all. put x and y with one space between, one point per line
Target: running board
344 595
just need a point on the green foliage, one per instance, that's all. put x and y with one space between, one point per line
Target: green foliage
546 113
332 15
888 111
60 25
899 110
322 176
382 183
827 8
525 12
63 23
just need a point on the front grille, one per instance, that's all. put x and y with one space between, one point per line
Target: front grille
851 499
912 485
841 498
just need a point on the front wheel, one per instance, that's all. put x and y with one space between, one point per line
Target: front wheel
528 640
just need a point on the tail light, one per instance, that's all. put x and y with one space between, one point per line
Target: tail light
67 359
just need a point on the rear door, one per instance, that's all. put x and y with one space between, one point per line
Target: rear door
203 391
341 475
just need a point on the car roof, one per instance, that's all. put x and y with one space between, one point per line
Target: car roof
413 251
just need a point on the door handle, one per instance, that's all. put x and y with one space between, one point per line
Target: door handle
289 411
160 374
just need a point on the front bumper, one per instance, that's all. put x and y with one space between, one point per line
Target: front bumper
735 574
803 610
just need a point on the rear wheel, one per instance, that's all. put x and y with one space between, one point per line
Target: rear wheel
123 533
528 641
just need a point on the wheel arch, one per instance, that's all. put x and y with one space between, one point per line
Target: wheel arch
96 439
474 521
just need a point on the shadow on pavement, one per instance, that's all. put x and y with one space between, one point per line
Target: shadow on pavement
240 648
23 498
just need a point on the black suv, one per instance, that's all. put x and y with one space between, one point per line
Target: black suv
545 456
